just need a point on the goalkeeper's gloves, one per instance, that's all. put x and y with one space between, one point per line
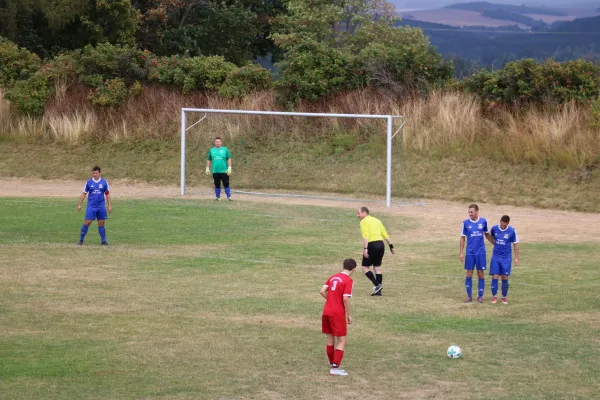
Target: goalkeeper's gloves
228 170
207 172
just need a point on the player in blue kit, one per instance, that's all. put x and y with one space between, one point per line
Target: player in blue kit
473 231
96 189
500 266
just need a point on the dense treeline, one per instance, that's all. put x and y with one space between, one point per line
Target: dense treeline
321 47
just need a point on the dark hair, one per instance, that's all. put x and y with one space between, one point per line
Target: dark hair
505 218
97 168
365 210
218 138
474 207
349 264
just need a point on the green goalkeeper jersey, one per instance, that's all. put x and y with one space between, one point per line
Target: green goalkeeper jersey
218 157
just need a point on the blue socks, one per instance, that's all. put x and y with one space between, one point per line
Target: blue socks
218 192
102 232
480 287
228 192
494 287
469 287
504 288
84 230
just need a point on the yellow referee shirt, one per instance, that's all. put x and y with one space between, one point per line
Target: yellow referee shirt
372 229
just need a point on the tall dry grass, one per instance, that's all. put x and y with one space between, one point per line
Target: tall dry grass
445 123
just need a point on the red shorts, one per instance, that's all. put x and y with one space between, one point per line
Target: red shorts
334 325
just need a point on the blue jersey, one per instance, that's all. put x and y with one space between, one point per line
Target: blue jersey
474 232
503 241
96 191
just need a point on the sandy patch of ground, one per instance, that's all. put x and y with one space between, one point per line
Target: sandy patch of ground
440 219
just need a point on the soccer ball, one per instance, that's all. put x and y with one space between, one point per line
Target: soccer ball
454 352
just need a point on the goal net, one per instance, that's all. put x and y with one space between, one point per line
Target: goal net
297 154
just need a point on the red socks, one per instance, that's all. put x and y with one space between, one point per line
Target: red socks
330 351
337 358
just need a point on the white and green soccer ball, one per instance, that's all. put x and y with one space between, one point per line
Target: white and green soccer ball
454 351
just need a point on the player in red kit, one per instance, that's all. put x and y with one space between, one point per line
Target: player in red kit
337 291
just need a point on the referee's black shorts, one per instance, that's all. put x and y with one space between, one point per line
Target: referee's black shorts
376 250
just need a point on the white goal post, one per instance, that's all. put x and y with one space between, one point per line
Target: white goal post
390 134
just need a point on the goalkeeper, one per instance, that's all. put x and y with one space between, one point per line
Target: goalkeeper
220 158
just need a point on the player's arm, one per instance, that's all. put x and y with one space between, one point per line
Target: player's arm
461 248
490 238
323 291
516 245
347 307
108 202
81 198
208 162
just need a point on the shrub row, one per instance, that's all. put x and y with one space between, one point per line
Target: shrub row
526 82
115 73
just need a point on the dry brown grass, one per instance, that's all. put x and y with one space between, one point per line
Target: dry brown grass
447 123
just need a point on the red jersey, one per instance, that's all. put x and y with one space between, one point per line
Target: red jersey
338 287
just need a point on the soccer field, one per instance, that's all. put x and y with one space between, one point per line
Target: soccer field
196 299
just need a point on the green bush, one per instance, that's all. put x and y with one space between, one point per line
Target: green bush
16 63
245 80
106 61
190 73
528 82
110 93
29 96
311 71
405 68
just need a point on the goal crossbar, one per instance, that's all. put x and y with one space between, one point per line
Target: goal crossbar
389 119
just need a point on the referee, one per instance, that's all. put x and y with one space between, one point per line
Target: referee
373 233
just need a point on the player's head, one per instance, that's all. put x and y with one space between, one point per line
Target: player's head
218 142
362 212
349 265
473 212
96 172
504 221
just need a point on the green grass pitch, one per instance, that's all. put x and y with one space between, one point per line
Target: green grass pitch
202 300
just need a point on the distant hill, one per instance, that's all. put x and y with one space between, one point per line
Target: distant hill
473 48
484 6
514 17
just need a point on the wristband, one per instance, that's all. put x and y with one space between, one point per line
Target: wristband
391 246
366 248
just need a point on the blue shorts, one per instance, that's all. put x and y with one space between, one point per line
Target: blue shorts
95 213
499 266
472 261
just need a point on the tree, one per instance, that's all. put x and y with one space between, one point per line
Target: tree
236 29
334 23
50 26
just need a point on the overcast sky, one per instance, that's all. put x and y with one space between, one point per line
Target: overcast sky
426 4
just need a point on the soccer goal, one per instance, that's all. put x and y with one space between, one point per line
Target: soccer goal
204 112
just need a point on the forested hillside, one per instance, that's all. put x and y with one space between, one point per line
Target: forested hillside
492 48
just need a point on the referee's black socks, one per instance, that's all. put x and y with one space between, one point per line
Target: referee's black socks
372 278
379 278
